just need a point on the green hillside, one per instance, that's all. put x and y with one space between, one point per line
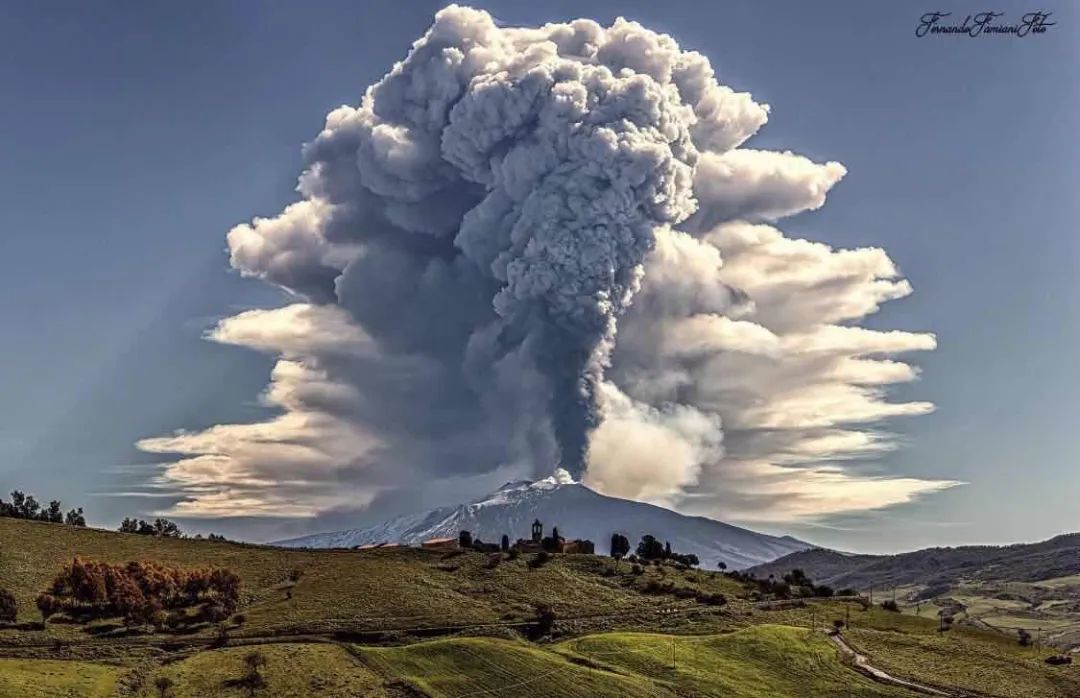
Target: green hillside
410 623
376 590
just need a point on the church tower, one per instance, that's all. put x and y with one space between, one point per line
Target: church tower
537 531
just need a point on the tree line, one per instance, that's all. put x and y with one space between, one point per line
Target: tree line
140 592
25 506
650 549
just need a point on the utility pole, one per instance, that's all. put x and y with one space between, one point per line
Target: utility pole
847 615
871 594
673 653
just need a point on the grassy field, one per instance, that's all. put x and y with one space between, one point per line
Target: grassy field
296 670
348 590
365 611
970 660
756 662
20 678
483 666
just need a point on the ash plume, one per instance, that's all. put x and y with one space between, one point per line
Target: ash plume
530 248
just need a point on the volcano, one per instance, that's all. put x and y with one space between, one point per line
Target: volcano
578 512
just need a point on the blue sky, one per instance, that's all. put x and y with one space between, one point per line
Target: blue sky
135 136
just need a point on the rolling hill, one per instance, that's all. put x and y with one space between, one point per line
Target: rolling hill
1023 562
578 512
410 623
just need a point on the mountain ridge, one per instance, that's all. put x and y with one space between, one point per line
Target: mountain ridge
1055 557
579 512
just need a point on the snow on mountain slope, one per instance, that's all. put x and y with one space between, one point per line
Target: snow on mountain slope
579 512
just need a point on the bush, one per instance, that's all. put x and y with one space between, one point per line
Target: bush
164 685
890 605
8 608
540 559
545 619
712 599
637 569
1023 637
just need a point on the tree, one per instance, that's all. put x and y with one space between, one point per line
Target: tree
253 679
129 526
797 578
53 513
620 545
545 619
164 685
649 548
667 549
464 539
48 605
75 517
721 565
1023 637
8 608
504 545
163 528
555 532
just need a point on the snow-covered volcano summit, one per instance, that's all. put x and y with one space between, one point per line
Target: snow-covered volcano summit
579 512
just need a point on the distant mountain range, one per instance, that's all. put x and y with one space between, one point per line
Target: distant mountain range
1024 562
578 512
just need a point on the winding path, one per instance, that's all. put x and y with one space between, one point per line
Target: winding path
863 666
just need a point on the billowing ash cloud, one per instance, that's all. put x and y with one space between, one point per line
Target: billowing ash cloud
529 248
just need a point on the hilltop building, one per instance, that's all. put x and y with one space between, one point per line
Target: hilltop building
552 544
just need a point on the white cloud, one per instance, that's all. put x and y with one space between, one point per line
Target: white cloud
760 184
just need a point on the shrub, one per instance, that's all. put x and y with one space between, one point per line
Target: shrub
540 559
164 685
890 605
716 599
838 624
637 569
545 619
1023 637
239 619
8 608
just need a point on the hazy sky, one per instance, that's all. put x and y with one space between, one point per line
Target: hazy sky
136 136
